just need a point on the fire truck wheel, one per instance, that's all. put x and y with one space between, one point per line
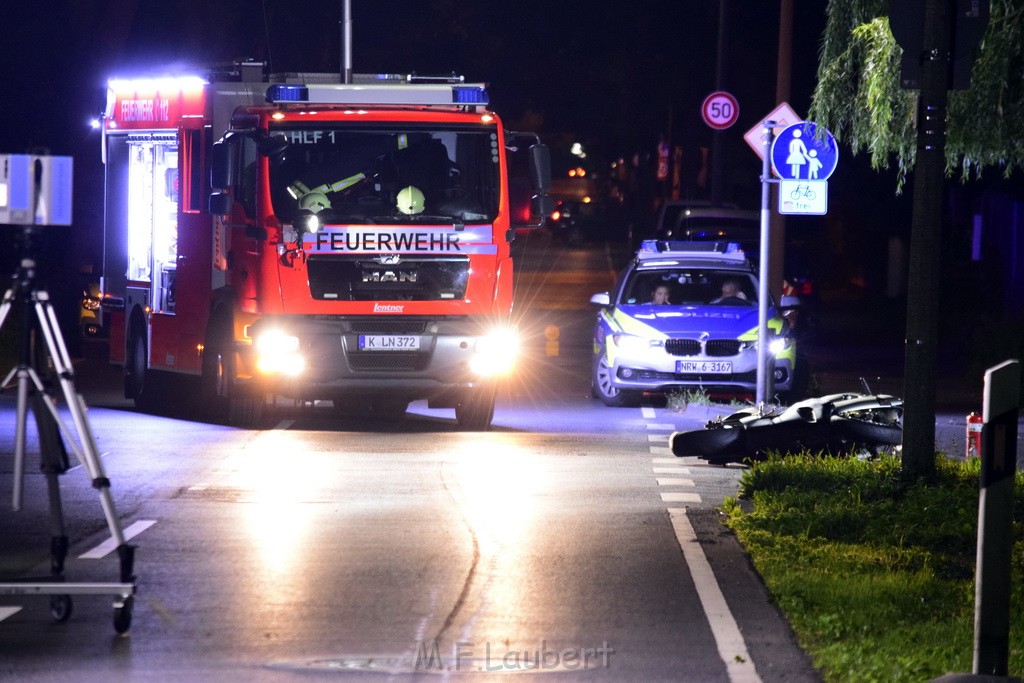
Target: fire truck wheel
138 380
475 411
224 399
246 411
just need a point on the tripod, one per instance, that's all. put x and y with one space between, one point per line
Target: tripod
31 392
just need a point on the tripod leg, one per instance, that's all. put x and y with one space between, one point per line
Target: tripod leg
54 462
90 458
19 437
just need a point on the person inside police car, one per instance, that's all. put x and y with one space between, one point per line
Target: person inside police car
660 294
730 290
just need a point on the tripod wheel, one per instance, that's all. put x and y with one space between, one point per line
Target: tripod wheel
123 615
61 607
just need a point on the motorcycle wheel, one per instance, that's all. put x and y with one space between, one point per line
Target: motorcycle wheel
867 433
723 444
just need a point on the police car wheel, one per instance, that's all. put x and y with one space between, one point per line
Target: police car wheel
601 386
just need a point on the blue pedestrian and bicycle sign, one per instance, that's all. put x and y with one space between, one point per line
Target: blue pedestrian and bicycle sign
798 153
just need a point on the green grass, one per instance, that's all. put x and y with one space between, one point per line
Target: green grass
679 400
875 575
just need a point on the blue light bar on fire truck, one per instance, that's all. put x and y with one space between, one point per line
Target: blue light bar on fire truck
421 94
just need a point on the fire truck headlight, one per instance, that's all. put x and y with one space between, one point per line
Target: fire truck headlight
277 353
496 353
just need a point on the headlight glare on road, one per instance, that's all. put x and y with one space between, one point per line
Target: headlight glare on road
277 353
496 353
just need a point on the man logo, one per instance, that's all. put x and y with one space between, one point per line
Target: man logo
409 276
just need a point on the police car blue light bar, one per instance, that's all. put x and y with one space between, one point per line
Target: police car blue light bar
728 250
410 94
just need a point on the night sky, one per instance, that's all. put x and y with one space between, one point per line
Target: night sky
616 77
613 75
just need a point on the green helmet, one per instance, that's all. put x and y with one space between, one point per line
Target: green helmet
410 200
314 201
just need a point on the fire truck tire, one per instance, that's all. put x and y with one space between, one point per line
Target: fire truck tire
225 400
245 411
476 409
139 382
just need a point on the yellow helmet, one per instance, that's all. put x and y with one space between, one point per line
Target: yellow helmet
410 200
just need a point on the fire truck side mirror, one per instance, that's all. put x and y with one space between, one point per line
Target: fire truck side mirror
540 167
220 204
222 169
541 206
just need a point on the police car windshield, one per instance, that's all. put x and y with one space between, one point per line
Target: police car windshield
361 173
690 287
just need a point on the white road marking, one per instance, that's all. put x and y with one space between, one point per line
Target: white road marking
661 450
672 481
647 412
8 611
658 438
199 487
655 425
670 470
680 498
109 545
666 461
284 424
731 646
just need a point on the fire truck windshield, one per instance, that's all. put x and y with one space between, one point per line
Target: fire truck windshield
361 173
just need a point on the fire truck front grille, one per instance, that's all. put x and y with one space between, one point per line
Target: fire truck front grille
388 278
376 326
390 361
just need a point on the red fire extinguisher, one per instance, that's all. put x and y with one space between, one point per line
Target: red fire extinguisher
974 423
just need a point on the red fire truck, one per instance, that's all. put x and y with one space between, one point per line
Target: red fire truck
292 235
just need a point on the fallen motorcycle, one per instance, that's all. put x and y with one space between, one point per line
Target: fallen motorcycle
861 423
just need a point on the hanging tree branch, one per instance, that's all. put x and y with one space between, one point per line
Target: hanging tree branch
859 97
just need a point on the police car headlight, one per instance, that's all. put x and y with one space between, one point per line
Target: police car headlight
628 343
495 353
777 346
277 353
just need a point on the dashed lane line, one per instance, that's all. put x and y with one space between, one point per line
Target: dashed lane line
675 497
674 481
109 545
8 611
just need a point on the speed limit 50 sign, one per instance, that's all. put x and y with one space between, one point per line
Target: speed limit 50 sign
720 110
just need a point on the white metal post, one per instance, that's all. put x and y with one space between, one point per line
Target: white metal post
764 371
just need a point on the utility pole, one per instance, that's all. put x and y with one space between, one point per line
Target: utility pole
783 81
346 41
717 162
925 244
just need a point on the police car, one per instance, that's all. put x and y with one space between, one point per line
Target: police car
684 315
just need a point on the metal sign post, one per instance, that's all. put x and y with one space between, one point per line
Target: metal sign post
765 372
995 519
